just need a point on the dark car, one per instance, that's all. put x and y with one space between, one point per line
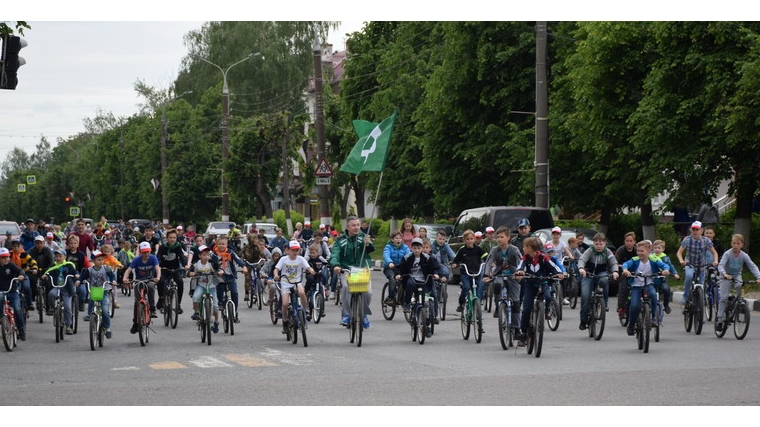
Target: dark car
140 223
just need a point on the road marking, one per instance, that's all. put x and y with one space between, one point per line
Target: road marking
286 358
210 362
126 368
167 365
248 360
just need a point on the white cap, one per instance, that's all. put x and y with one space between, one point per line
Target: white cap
321 226
202 248
556 230
4 252
696 224
478 234
144 247
489 230
39 239
294 245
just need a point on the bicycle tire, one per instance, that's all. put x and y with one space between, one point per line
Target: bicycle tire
389 310
293 325
250 296
75 313
142 327
352 322
174 304
442 301
166 310
359 319
539 332
639 327
40 299
302 327
466 321
111 309
554 320
101 334
560 296
478 326
93 331
413 324
741 321
421 320
647 319
273 310
58 321
707 300
259 294
600 318
319 308
202 321
573 292
504 329
488 291
338 290
208 309
231 316
699 310
7 334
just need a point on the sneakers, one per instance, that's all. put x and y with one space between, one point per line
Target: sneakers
86 318
108 334
278 315
460 308
565 301
389 300
69 330
195 316
237 319
179 310
407 308
495 313
667 309
366 322
308 316
116 305
160 304
153 314
583 326
215 328
606 308
630 329
30 307
134 328
285 327
81 306
719 326
436 321
22 335
246 297
521 339
344 320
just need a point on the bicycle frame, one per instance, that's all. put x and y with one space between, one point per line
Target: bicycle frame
645 318
9 328
204 305
472 311
255 288
296 314
737 313
142 314
97 332
59 316
694 310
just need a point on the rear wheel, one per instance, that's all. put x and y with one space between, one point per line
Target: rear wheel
319 308
573 292
141 323
174 304
167 311
93 331
259 296
539 331
741 321
389 310
699 310
75 313
41 304
273 310
466 321
708 305
505 332
251 297
553 314
358 311
488 297
7 330
559 298
599 318
442 301
478 326
207 307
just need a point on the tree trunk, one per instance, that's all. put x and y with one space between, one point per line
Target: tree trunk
647 222
605 216
359 194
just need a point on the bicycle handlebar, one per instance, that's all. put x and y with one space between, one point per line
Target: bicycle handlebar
14 280
467 271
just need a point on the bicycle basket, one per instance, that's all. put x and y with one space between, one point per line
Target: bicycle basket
96 293
358 280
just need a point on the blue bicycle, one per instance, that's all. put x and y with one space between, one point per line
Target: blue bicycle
256 287
294 316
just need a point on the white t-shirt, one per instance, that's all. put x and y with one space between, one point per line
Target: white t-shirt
292 268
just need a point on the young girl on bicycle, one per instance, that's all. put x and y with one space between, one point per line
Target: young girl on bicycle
293 267
471 255
110 260
206 265
395 251
731 264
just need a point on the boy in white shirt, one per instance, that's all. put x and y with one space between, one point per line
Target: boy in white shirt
292 266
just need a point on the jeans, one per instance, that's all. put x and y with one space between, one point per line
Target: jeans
27 289
198 294
221 289
513 294
390 274
81 294
587 288
66 292
151 296
636 294
466 286
725 292
688 279
410 286
167 276
667 294
104 307
529 294
346 298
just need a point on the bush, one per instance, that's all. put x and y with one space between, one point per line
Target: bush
621 224
279 219
666 233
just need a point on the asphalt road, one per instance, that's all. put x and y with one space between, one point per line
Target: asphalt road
257 366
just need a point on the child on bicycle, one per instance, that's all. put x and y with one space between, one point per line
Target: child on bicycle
642 265
206 266
228 258
602 263
395 251
731 264
24 261
171 256
658 253
501 261
470 255
145 267
267 271
319 264
251 254
293 267
117 267
695 246
8 272
58 274
538 264
417 267
101 276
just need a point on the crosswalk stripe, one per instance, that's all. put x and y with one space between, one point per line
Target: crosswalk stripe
210 362
248 360
167 365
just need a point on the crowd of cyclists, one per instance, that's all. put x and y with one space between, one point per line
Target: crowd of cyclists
114 255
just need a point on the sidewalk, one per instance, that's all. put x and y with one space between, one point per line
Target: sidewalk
754 304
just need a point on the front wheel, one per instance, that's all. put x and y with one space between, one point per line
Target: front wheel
207 307
553 312
647 323
442 302
466 321
230 325
319 308
420 325
539 330
478 327
688 318
707 301
174 305
302 327
94 330
58 322
598 316
505 331
389 310
273 310
573 292
741 321
41 304
75 313
699 310
258 293
142 324
7 330
722 331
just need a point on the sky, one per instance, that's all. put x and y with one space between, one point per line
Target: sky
85 56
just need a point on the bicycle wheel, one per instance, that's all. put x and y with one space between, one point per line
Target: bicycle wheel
421 320
707 301
656 323
505 330
93 331
389 310
487 297
623 317
466 320
553 315
174 305
599 318
202 321
75 313
699 310
302 327
352 321
338 290
478 326
359 319
559 297
7 333
250 296
647 323
413 323
741 321
208 310
319 307
41 304
442 301
167 311
259 296
230 324
142 329
273 310
539 331
573 292
58 321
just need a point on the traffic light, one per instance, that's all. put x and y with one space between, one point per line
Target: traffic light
10 61
68 199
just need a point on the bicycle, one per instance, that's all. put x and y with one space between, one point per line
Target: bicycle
443 295
573 284
421 312
294 316
694 309
471 311
737 313
597 311
536 326
389 310
229 311
554 308
256 287
59 307
170 304
40 299
206 306
316 298
711 293
97 331
358 281
274 306
9 328
488 297
507 329
142 310
644 321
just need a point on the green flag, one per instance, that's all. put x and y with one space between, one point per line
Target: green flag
371 149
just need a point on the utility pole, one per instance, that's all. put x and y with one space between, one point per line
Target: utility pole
324 209
542 125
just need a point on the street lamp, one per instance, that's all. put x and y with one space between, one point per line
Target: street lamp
225 136
164 199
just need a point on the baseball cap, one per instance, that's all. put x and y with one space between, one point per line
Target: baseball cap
49 235
417 241
523 222
321 226
324 238
39 239
96 254
8 232
294 245
108 232
549 247
556 230
478 234
179 227
202 248
696 224
334 232
489 230
307 224
29 220
144 247
60 252
4 252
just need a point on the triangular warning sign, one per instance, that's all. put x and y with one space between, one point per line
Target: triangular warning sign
323 169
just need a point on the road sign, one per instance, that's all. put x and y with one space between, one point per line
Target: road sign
31 179
323 181
74 211
323 169
21 188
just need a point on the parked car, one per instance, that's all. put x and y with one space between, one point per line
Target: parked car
9 225
140 223
270 230
217 228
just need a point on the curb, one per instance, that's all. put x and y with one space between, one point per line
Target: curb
753 303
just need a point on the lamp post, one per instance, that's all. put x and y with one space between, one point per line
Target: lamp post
225 136
164 199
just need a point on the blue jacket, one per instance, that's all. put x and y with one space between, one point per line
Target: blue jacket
394 254
633 264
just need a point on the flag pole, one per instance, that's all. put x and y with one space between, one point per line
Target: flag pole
374 205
